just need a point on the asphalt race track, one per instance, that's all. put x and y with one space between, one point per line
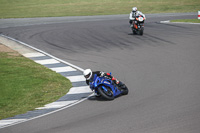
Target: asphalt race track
161 69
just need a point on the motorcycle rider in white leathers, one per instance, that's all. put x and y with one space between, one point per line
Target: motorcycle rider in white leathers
133 14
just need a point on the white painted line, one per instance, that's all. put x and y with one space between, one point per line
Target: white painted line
47 61
37 54
79 90
76 78
63 69
168 21
185 23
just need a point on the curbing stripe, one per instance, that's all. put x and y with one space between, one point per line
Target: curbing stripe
31 55
76 78
79 84
63 69
55 65
40 58
58 104
71 73
82 89
47 61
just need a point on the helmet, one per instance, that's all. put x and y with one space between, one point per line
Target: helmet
134 9
87 73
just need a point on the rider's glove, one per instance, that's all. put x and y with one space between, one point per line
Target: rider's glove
102 74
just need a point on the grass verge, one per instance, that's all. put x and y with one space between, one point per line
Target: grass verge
52 8
186 20
25 85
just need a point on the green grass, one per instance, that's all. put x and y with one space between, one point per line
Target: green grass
52 8
187 20
25 85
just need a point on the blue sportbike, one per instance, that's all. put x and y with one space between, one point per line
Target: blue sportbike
106 88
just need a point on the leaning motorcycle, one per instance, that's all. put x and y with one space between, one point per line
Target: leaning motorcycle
138 25
106 88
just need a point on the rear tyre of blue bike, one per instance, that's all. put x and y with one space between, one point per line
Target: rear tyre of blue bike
125 91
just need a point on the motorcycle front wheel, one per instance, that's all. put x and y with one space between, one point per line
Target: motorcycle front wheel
106 92
134 31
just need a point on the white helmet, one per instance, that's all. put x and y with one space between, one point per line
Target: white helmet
134 9
87 73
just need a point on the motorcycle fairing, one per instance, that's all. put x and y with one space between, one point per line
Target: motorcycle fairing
104 82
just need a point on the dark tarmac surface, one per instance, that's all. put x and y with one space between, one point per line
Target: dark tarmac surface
161 69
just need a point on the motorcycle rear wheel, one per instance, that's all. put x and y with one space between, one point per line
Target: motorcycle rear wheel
106 94
125 91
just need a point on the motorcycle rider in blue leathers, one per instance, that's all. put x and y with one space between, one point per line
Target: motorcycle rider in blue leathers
89 75
133 15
